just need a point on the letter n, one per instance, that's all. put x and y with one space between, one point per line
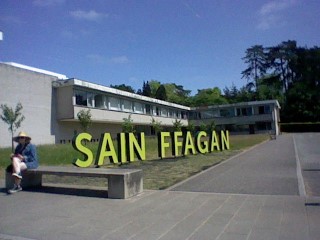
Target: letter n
225 144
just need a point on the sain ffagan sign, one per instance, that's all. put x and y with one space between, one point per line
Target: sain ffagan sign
131 146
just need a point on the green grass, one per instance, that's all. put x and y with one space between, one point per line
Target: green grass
158 173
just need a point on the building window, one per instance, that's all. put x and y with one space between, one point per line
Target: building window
126 106
228 112
207 114
81 98
183 115
90 100
263 126
192 115
100 101
114 103
265 109
148 109
246 111
164 112
138 107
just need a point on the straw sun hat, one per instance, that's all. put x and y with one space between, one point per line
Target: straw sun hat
21 134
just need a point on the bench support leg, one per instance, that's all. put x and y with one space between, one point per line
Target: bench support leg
28 180
122 187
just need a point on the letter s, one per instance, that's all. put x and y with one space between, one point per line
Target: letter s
77 145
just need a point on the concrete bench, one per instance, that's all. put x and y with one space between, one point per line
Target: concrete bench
122 183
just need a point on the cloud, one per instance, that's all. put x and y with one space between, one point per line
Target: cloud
99 59
272 13
75 33
192 10
91 15
47 3
119 60
68 34
96 58
270 21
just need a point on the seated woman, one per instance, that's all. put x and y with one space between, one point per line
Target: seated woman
24 157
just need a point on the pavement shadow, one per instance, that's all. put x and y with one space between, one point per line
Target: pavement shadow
95 193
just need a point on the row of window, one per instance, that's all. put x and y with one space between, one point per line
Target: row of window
98 100
230 112
84 98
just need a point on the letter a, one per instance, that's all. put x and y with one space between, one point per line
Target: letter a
214 141
106 149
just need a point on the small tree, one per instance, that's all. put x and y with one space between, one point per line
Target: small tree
84 117
177 125
12 117
127 125
203 127
211 126
156 125
191 128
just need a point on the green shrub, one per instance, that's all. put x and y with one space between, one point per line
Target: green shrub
300 127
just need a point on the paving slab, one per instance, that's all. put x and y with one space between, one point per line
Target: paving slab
237 212
308 153
156 215
270 169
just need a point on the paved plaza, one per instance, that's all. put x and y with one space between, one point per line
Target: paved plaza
270 191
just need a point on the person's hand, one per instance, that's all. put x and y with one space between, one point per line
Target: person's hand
20 157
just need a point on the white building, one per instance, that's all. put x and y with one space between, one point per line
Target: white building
246 117
52 101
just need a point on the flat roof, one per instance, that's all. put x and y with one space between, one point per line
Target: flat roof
241 104
85 84
38 70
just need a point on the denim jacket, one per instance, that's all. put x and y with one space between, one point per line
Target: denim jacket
29 153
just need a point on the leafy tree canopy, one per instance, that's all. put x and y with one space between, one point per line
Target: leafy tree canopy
161 93
286 72
123 87
84 117
209 96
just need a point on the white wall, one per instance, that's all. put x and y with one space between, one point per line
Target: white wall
67 130
34 91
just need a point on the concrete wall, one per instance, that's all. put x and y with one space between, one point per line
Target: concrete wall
117 117
34 91
240 120
68 129
64 102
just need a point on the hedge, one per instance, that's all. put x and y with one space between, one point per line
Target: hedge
300 127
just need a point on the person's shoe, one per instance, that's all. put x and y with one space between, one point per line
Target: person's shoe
15 189
18 175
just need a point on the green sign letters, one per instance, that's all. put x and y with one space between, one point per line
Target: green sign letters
130 146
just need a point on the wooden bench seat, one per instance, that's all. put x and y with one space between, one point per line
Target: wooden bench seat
122 183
